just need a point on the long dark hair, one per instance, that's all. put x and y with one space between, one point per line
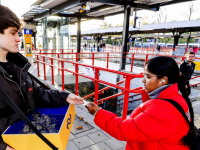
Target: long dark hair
167 66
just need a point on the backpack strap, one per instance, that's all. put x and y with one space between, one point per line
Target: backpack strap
180 109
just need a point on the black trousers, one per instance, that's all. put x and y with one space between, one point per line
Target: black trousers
185 91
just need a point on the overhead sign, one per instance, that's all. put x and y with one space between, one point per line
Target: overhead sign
27 31
139 22
87 37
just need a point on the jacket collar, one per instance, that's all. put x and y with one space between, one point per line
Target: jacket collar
155 93
169 91
18 60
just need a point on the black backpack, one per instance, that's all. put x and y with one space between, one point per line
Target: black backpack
193 137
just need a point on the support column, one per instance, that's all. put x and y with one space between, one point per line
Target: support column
79 35
176 38
34 39
125 36
45 41
188 39
142 42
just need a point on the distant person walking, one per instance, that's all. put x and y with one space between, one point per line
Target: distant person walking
94 46
186 70
157 49
128 47
85 45
100 47
104 46
91 47
195 49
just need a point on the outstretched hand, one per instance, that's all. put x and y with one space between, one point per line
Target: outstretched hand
74 99
92 108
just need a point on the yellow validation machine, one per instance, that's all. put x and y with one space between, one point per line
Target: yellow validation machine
27 42
65 117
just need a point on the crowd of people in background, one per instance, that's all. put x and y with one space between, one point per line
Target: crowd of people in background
101 47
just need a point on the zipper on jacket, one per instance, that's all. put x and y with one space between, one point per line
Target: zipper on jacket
19 90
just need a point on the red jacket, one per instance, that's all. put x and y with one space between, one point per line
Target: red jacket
154 125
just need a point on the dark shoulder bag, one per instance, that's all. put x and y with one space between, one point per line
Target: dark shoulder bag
193 137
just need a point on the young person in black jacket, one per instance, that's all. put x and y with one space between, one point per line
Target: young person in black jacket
186 70
15 81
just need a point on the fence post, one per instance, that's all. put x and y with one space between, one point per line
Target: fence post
146 59
132 62
93 59
44 68
107 59
58 64
52 74
96 86
63 79
126 97
76 76
38 66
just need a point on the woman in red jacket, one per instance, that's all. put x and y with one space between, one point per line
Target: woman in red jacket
155 124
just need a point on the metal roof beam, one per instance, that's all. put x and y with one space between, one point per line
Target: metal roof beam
123 3
77 15
57 9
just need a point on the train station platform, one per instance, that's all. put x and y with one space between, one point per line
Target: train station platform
94 138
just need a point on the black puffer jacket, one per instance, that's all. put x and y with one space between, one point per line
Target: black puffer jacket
187 69
27 95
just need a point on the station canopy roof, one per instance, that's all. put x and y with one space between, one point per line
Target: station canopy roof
169 27
98 8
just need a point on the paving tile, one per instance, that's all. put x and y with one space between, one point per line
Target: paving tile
82 134
83 142
92 130
89 119
71 146
122 149
108 135
114 144
83 114
79 110
123 142
71 137
98 137
85 149
83 107
95 126
99 146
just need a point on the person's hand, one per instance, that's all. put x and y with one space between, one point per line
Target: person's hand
9 148
186 86
74 99
180 74
92 108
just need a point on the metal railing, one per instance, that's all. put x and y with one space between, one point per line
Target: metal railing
127 77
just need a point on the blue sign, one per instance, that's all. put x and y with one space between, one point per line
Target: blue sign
27 31
130 39
87 38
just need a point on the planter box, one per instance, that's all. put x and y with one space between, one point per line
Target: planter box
65 117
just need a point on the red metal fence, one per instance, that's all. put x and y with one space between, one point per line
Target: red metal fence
127 77
57 58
